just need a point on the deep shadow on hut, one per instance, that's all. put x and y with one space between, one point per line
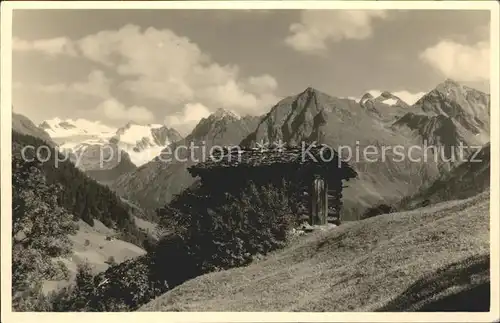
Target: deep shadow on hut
316 174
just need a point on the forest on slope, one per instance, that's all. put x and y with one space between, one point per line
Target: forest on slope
80 195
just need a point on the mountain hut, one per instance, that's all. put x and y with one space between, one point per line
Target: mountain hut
315 172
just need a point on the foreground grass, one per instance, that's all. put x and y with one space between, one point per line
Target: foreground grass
393 262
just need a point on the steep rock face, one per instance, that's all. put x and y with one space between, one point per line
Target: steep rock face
308 117
385 106
451 116
154 184
163 136
467 107
438 131
351 129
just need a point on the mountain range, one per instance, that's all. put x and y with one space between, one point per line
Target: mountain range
447 116
384 121
139 142
104 152
117 220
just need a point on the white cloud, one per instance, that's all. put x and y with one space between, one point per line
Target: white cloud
162 65
317 27
54 46
188 118
96 85
113 109
466 63
261 83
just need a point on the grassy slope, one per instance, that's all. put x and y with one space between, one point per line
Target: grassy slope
97 252
360 266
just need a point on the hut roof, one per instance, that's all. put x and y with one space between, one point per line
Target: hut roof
320 155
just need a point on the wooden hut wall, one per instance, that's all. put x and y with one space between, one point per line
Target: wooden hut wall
218 182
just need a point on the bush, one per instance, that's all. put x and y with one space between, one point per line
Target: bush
120 288
255 221
33 300
77 296
111 261
378 210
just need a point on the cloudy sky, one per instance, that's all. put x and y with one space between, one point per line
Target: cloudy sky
177 66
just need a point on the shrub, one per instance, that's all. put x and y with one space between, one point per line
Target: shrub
111 261
122 287
255 221
378 210
77 296
33 300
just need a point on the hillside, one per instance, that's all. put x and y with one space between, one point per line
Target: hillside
50 239
417 260
467 106
451 112
25 126
92 245
111 171
155 183
463 181
80 195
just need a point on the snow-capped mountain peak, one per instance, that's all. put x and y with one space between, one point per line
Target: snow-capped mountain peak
384 97
142 142
64 129
131 133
